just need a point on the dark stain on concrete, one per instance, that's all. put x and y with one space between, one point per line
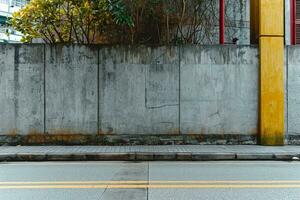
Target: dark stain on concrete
67 137
16 85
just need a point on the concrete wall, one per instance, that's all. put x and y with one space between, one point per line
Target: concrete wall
67 90
237 21
21 89
71 74
139 91
293 90
219 90
287 22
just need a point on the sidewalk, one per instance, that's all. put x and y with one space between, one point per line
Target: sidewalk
148 153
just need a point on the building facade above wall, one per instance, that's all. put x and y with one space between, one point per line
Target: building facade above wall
7 8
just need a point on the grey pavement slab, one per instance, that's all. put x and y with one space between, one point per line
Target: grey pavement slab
148 153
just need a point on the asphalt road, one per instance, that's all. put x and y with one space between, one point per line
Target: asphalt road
150 180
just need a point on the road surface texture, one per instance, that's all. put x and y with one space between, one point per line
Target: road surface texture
223 180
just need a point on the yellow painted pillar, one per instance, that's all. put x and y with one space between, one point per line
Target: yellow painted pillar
271 46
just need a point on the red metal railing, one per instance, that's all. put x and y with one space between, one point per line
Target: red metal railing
293 21
222 22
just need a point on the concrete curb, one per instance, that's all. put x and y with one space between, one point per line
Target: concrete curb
145 156
255 156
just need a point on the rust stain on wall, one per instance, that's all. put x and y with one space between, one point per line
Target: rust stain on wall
12 132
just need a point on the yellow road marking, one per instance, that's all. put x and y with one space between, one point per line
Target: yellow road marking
145 186
154 182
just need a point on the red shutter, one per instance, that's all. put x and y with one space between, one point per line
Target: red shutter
297 21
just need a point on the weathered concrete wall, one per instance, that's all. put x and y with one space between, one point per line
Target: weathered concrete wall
71 89
237 21
219 90
195 94
183 93
21 89
287 22
293 90
139 90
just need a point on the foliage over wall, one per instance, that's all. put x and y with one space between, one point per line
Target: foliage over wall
73 21
118 21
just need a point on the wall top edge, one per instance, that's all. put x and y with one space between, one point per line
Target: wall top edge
133 46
